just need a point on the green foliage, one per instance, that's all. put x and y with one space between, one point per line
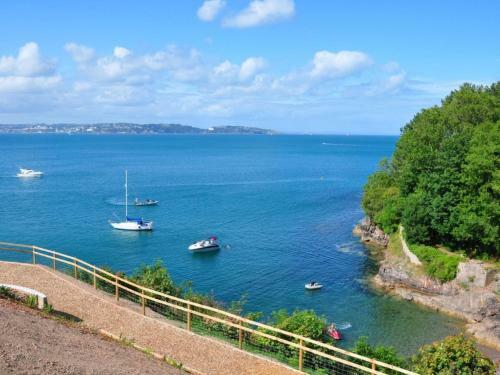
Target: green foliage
443 182
6 292
156 277
301 322
453 355
31 301
437 264
381 199
48 308
382 353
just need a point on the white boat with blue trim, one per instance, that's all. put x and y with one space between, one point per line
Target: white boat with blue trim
131 223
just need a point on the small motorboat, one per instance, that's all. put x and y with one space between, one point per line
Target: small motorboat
333 332
205 245
23 172
147 202
313 285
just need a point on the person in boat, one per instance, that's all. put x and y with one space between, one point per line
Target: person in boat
313 283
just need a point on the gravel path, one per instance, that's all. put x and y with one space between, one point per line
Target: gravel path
33 344
100 311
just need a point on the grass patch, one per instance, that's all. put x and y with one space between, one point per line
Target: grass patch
437 264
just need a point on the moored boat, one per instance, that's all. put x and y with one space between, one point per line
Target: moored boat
146 202
205 245
313 285
24 172
130 223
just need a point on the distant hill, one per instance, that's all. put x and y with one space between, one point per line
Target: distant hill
128 128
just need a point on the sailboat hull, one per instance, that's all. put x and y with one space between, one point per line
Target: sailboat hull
133 226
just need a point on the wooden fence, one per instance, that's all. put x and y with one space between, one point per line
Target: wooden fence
311 356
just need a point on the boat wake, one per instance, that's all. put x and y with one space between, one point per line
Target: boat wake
115 202
343 326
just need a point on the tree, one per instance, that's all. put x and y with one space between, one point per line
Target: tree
443 183
453 355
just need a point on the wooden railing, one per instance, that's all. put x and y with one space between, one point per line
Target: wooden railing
335 359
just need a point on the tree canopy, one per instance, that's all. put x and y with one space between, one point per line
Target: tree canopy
443 182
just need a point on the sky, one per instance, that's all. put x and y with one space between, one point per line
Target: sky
296 66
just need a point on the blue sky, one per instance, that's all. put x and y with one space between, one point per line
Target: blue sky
357 67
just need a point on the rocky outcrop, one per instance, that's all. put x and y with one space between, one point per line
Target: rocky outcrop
370 233
472 295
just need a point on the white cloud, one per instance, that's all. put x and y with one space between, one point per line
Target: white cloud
251 66
261 12
121 52
227 71
11 84
210 9
27 63
79 53
328 64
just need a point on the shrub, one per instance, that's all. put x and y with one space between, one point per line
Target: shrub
382 353
453 355
436 263
6 292
31 301
156 277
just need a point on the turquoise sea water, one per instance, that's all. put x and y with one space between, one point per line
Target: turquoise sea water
284 206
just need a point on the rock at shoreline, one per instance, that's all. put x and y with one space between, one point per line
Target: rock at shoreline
472 295
371 233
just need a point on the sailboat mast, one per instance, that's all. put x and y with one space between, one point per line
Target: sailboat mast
126 194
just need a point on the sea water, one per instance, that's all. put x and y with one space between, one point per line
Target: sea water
283 208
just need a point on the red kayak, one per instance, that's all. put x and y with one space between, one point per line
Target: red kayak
333 333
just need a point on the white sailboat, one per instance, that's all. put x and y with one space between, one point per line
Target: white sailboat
130 223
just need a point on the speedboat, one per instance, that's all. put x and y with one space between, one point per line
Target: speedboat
23 172
147 202
333 332
313 285
205 245
130 223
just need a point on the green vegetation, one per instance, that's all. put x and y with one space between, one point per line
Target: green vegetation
382 353
437 264
443 182
453 355
31 301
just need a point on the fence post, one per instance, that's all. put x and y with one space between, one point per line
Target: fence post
374 366
143 301
301 354
95 280
189 317
34 255
117 291
240 337
76 276
54 261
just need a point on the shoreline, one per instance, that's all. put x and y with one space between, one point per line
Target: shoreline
476 303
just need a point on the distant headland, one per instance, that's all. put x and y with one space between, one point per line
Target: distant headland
128 128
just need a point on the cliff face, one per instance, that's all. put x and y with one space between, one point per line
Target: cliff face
472 295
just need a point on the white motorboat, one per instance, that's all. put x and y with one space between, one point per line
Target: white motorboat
24 172
313 285
205 245
130 223
147 202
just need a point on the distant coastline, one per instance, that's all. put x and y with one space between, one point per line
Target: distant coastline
127 128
